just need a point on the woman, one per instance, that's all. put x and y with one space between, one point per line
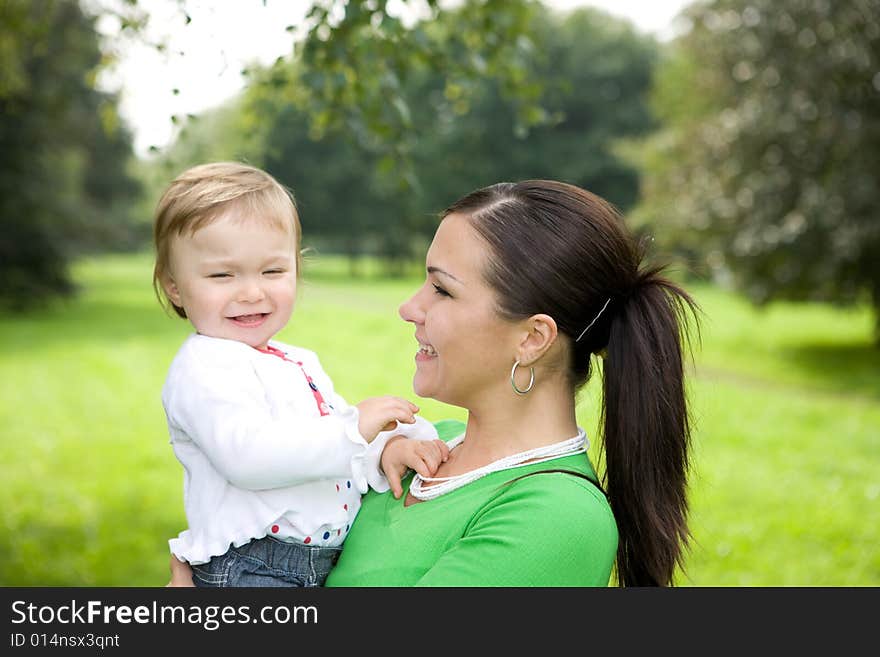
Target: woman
525 282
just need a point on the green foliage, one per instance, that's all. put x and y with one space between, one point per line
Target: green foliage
784 485
596 73
765 171
63 182
357 59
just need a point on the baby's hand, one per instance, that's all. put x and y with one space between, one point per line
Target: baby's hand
423 456
382 413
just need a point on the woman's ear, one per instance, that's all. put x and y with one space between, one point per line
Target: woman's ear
539 335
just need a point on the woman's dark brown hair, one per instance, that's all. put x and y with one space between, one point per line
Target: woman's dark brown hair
560 250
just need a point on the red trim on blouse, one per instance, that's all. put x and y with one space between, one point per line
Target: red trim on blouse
323 408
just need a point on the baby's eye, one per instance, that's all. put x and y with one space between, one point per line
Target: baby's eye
220 274
274 271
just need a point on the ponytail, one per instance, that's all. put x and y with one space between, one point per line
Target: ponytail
646 429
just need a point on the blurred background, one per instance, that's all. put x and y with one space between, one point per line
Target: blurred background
741 138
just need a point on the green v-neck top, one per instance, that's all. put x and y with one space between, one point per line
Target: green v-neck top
550 529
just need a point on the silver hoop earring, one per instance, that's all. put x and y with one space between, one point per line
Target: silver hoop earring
513 381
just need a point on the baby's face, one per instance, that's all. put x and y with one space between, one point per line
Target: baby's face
235 278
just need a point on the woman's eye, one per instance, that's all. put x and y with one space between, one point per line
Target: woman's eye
439 290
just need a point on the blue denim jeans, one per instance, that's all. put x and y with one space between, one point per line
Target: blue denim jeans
268 562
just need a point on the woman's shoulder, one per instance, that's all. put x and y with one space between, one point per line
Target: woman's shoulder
557 527
557 494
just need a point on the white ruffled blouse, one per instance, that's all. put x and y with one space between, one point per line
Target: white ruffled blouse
261 454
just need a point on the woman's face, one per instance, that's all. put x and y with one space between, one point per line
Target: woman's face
466 349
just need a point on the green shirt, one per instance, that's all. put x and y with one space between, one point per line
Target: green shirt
550 529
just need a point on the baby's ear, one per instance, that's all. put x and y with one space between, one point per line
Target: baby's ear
171 290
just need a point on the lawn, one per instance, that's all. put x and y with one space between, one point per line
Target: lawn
786 402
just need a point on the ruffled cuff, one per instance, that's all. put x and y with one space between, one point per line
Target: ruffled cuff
359 460
420 430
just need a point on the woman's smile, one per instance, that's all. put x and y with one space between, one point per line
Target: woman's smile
426 352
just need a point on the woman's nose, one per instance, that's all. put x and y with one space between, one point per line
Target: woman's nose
411 311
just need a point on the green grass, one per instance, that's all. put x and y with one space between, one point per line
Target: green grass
786 403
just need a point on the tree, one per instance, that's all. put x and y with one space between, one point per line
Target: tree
766 170
63 177
596 73
357 59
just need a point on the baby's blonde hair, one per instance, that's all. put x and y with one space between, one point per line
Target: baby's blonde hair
203 193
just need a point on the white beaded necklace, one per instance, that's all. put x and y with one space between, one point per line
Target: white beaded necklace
575 445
